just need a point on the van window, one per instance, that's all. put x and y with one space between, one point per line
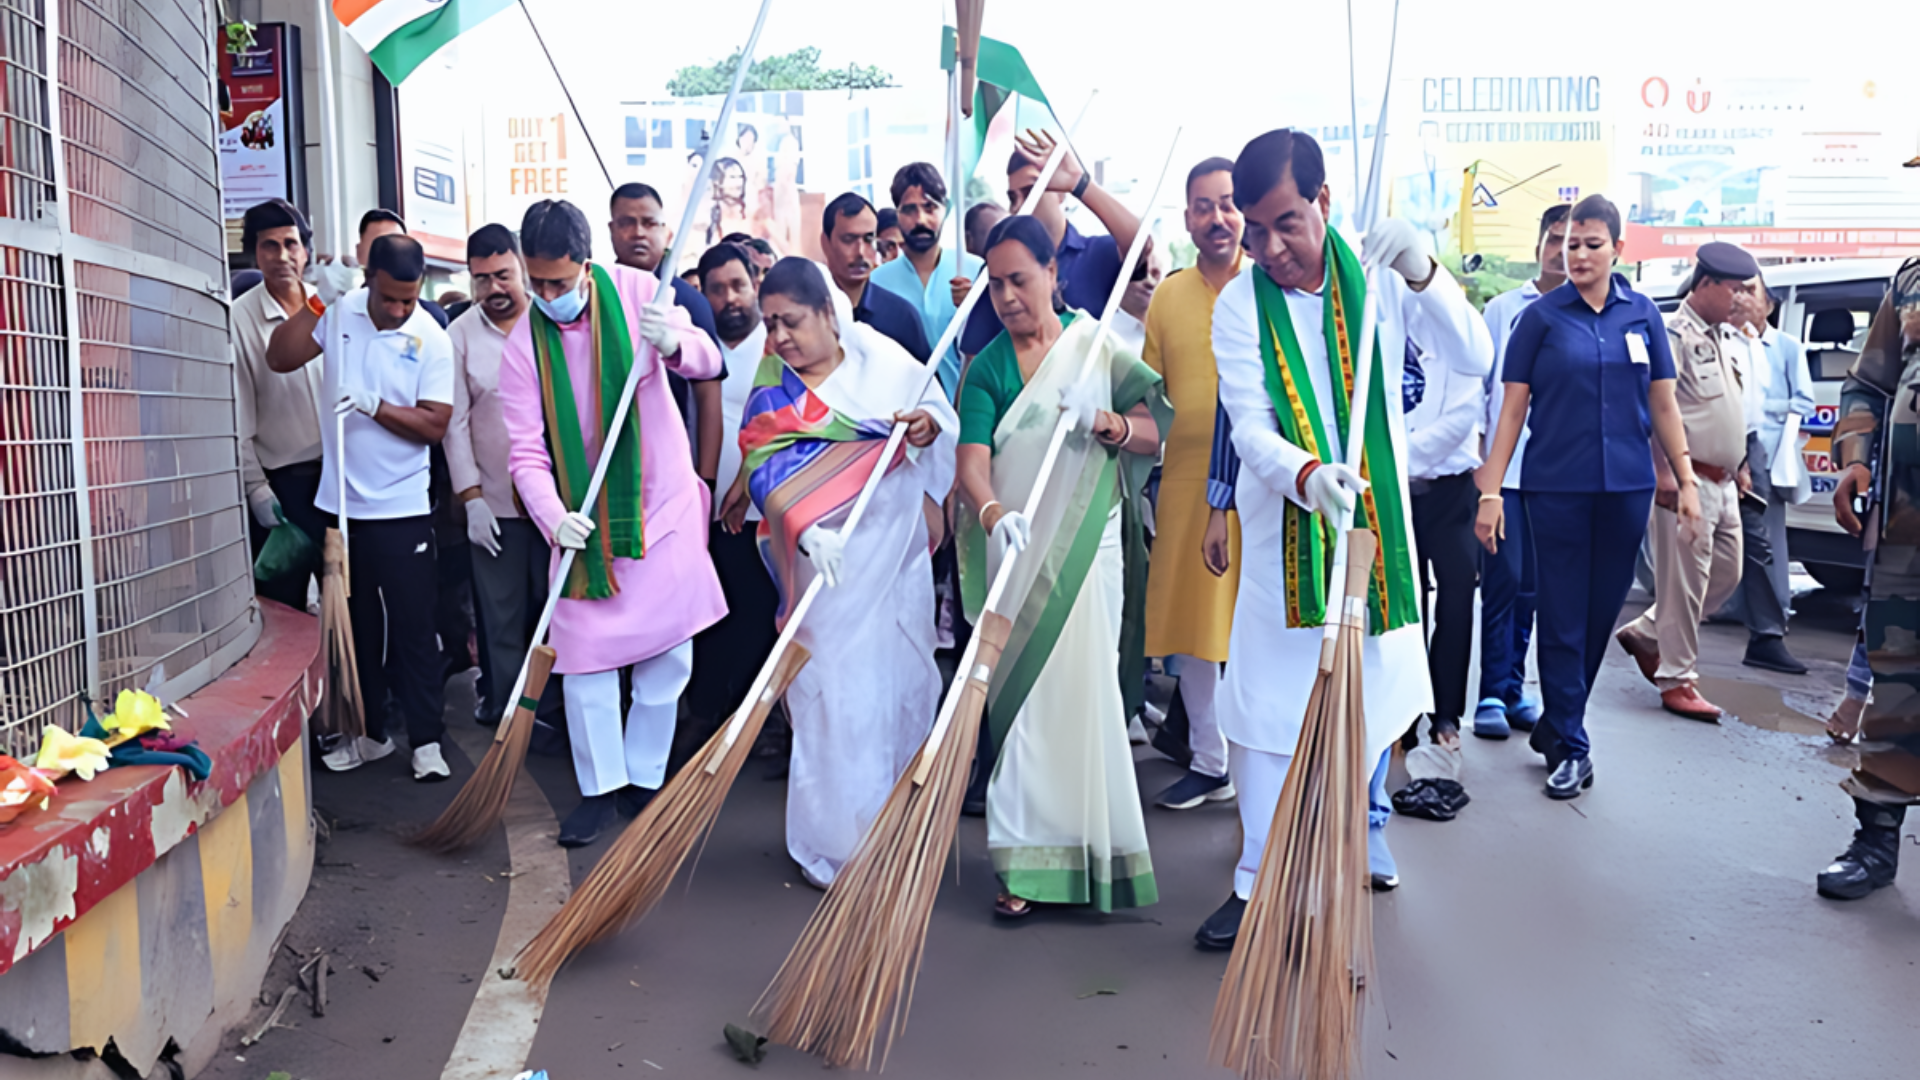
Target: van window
1829 310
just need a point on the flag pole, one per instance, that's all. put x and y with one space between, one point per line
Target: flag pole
577 118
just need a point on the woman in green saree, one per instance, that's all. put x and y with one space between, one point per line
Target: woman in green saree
1064 824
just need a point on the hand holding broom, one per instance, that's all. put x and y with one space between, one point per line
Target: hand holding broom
1289 1004
478 808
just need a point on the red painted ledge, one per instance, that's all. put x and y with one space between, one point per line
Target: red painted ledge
99 834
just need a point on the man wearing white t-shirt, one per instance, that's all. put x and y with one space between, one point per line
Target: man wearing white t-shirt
727 654
1506 578
393 382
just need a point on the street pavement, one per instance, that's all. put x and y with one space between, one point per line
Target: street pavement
1664 925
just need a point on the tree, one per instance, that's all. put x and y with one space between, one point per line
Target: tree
797 70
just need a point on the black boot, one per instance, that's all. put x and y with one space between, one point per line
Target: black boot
1870 861
595 815
1771 653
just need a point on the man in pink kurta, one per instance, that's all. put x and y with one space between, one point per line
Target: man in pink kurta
666 596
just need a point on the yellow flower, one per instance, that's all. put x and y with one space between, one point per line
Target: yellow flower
135 712
71 753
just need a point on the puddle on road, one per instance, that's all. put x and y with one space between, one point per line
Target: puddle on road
1763 706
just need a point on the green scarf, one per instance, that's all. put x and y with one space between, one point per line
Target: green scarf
619 512
1308 538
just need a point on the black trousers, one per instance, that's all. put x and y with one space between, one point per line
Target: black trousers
392 567
728 654
1443 513
295 486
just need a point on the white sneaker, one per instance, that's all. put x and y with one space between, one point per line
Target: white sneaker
1136 732
350 754
344 757
428 765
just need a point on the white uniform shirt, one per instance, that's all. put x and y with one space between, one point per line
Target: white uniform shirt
386 472
743 361
1502 315
1443 427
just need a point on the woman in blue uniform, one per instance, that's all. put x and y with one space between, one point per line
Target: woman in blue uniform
1590 360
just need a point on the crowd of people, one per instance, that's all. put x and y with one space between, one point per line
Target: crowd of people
1527 452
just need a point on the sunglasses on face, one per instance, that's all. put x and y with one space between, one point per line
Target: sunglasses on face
1139 272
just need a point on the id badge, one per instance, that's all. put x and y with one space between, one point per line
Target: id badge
1637 349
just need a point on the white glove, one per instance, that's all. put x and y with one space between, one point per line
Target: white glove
1011 533
266 508
361 400
1396 243
1082 401
655 328
332 280
826 547
1331 489
573 530
483 529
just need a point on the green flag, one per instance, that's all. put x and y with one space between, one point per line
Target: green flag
1001 72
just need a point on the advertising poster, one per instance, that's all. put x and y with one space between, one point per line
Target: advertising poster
257 145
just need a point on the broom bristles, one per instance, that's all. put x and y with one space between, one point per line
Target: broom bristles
482 801
341 711
853 971
1290 1004
635 872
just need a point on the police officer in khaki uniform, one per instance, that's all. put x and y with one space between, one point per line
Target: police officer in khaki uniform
1696 571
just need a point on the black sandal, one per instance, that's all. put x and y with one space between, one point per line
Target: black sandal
1004 907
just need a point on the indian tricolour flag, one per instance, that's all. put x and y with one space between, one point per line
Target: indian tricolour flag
399 35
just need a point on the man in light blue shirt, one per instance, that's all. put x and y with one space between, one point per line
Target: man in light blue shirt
928 276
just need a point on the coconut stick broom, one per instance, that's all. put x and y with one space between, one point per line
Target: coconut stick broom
635 872
1290 1004
477 809
853 971
341 710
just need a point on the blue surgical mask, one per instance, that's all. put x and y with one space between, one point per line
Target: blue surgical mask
569 305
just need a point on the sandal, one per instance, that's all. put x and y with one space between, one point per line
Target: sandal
1844 725
1009 906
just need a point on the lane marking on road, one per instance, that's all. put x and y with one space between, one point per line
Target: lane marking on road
505 1017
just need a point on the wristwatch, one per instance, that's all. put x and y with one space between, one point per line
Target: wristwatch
1080 188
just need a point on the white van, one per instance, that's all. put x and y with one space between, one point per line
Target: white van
1827 305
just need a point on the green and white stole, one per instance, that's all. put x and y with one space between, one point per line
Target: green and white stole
619 512
1308 538
1067 528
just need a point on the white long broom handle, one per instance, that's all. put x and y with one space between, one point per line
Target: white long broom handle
1356 446
969 659
764 678
340 469
664 270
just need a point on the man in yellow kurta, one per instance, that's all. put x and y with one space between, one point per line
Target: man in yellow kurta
1189 605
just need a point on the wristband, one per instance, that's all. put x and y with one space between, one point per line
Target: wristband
1300 481
1080 189
991 503
314 305
1492 497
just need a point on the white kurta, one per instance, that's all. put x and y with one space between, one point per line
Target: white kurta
864 703
1263 698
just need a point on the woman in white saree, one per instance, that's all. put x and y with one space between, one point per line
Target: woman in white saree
814 427
1064 823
